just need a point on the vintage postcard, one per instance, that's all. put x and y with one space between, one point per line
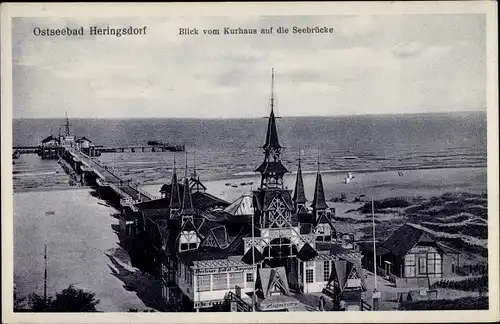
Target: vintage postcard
196 162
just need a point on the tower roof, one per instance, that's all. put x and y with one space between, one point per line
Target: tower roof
272 140
299 195
174 191
187 202
319 201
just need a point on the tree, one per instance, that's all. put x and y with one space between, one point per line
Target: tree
68 300
75 300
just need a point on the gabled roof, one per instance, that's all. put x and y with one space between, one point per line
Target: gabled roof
195 182
307 252
404 239
248 257
241 207
273 278
299 195
319 201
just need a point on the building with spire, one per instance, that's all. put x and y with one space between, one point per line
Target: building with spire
254 254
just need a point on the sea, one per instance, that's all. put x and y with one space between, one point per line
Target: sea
229 148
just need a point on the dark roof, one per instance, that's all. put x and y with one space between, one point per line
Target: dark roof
248 257
447 249
201 254
272 140
368 246
404 238
307 252
220 235
272 167
299 195
153 204
155 213
202 200
187 202
319 201
175 198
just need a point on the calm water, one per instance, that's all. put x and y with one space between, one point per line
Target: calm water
225 148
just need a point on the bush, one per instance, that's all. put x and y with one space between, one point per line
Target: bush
473 269
466 303
378 205
472 284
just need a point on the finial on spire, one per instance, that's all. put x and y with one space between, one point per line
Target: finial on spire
272 91
318 160
186 167
194 166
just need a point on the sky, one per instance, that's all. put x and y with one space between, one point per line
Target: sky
370 65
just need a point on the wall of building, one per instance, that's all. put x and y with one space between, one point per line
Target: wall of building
450 262
319 281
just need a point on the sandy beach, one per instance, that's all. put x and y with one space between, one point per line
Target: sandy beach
426 183
82 249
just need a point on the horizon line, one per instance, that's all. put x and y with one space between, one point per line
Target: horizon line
282 116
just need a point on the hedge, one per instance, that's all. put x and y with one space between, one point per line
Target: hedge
466 303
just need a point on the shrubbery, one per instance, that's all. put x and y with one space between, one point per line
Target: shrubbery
466 303
472 284
379 205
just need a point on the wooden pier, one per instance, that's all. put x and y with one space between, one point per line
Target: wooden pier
106 182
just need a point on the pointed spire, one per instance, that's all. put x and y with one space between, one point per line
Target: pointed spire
272 140
319 201
187 203
299 196
195 175
174 190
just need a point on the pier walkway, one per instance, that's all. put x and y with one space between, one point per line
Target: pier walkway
91 170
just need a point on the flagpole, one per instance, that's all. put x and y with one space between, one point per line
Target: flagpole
45 281
375 295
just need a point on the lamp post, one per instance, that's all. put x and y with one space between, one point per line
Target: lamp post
376 294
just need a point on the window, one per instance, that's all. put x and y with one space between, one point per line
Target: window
410 266
309 275
326 270
192 246
184 246
249 276
189 278
235 279
204 283
220 281
422 264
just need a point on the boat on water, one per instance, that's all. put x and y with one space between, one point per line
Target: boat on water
234 186
228 184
